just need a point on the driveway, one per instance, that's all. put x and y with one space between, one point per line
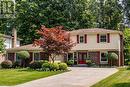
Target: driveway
78 77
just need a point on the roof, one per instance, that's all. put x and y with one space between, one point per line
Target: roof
95 30
29 47
8 36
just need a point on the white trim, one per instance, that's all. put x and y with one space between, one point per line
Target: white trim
15 57
103 62
33 56
100 38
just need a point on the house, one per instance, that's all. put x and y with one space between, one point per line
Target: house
91 43
10 42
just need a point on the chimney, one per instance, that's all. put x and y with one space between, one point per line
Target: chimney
14 39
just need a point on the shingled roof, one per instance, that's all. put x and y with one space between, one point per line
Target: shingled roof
29 47
95 30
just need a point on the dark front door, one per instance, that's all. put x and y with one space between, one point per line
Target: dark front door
82 58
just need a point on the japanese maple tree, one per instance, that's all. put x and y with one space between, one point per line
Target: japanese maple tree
54 41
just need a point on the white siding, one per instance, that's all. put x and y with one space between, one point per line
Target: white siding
93 45
8 43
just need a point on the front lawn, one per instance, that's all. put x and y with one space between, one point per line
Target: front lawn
119 79
17 76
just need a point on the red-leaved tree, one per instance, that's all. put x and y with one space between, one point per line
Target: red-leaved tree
54 41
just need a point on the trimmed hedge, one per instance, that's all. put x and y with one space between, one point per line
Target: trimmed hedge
54 66
16 64
63 66
70 62
35 65
6 64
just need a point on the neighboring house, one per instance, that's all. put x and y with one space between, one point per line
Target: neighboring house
10 42
90 43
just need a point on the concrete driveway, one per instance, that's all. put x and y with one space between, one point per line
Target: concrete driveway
78 77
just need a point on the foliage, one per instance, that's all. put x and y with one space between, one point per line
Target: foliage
23 54
6 64
16 64
127 44
62 66
129 63
46 66
126 9
32 14
89 62
55 41
54 66
70 62
2 45
89 13
35 65
108 13
113 56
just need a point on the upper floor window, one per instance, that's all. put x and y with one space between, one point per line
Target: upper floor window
103 38
81 38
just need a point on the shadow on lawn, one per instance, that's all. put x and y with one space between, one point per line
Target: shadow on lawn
121 85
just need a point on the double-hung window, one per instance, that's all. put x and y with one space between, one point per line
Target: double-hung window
103 38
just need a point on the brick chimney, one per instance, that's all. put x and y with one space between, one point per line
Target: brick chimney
14 39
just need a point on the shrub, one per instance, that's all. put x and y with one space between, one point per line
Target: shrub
23 54
54 66
46 66
35 65
112 56
6 64
70 62
16 64
45 61
89 62
63 66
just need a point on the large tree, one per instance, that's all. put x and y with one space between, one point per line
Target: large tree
54 41
126 6
108 13
31 14
127 44
2 45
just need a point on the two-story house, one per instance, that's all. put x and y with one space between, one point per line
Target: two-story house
10 42
90 43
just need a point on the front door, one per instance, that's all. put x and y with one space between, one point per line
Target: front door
82 58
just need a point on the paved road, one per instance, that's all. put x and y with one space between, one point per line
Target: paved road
78 77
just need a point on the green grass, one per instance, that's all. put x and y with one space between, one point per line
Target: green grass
10 77
119 79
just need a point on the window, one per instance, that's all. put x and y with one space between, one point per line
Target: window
103 58
81 39
17 58
103 38
36 56
70 56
